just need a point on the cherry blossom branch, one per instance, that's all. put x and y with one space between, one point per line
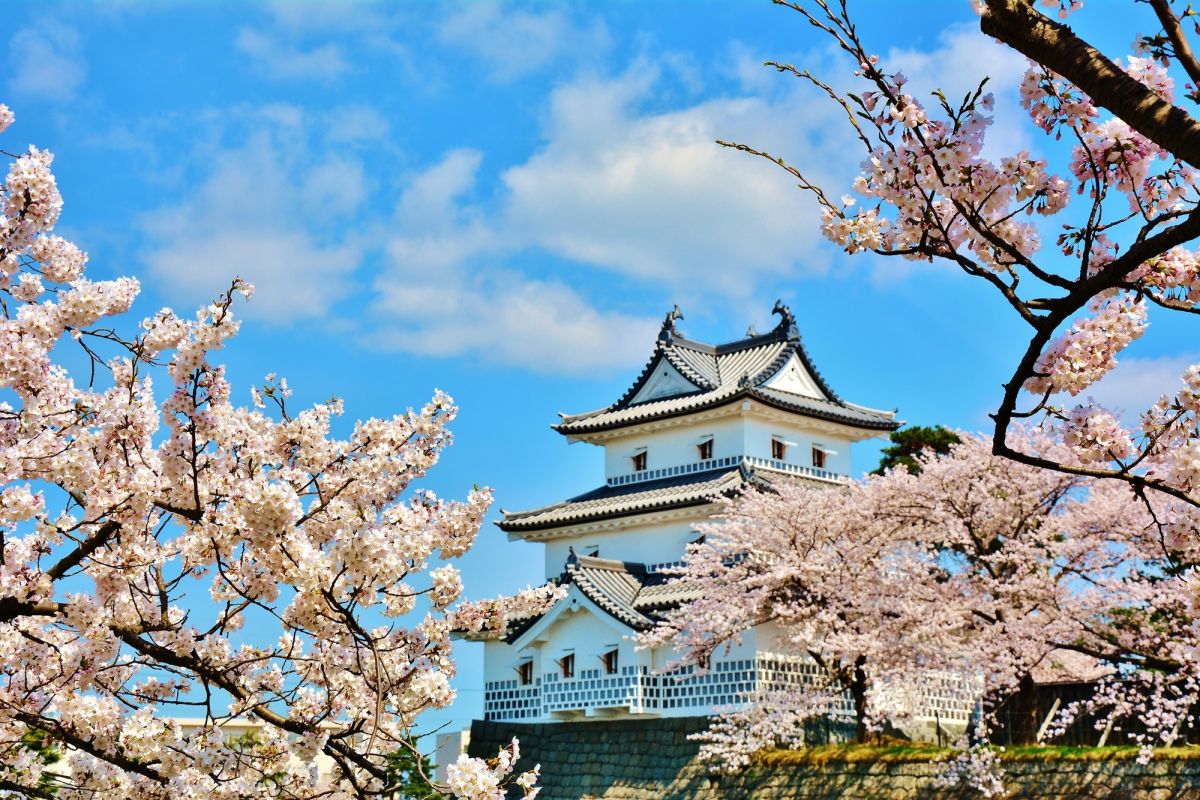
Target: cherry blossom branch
1018 25
1181 49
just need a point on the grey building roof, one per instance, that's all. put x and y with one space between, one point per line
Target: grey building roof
724 374
606 502
627 591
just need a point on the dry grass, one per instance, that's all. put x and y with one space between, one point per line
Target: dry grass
908 752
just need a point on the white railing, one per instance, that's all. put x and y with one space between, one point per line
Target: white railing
797 469
670 472
727 461
729 684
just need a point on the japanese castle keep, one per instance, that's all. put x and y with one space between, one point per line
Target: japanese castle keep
699 422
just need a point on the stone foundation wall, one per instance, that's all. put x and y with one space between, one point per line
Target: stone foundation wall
644 759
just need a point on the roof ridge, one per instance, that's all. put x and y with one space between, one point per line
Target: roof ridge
614 564
685 369
597 595
723 373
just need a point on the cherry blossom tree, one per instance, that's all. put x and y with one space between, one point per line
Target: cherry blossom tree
1121 208
174 554
976 566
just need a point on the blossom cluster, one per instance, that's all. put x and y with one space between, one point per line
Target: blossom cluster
474 779
126 496
976 568
929 189
1087 352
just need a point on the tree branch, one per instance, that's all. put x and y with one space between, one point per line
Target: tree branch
1179 42
85 549
1054 45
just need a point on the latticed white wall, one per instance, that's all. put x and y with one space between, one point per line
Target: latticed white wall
728 684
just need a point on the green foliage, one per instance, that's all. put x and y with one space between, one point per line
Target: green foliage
408 775
908 442
38 741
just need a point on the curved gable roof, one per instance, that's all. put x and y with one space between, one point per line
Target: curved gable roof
723 373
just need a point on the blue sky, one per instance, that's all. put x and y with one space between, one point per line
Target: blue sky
502 200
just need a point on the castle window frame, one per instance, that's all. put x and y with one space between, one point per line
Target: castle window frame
779 448
704 448
640 459
525 672
818 457
611 660
566 665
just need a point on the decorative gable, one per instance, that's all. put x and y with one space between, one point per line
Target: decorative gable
793 378
663 381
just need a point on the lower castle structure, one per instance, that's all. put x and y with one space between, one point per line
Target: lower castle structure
700 422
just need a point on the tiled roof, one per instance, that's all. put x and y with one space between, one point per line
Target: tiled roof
726 373
627 590
635 498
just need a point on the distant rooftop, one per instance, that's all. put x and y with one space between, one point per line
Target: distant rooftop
684 375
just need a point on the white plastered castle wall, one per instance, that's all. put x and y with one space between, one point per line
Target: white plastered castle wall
582 632
741 434
673 446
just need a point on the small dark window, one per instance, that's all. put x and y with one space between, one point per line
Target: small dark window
610 662
639 461
567 665
818 458
778 449
705 449
525 673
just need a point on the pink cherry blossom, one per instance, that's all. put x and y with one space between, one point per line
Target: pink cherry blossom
136 485
978 567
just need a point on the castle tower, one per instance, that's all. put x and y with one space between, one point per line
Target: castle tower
701 421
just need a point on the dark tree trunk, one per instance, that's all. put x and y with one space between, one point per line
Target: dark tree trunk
858 690
1018 25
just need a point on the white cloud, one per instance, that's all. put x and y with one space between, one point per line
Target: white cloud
507 318
271 213
514 43
431 199
444 294
357 124
287 61
46 61
652 196
626 187
1138 382
436 232
328 40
